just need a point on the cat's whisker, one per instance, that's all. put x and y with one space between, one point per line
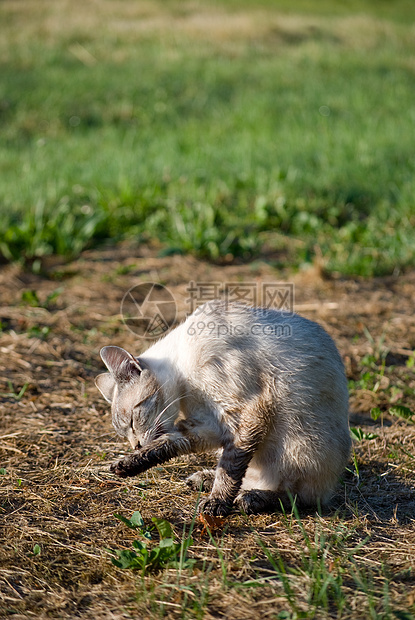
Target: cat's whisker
162 423
165 409
159 423
161 386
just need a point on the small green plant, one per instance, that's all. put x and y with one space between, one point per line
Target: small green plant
359 434
31 298
355 471
3 471
166 552
370 379
36 550
39 332
135 523
373 365
400 411
379 351
375 413
12 393
367 381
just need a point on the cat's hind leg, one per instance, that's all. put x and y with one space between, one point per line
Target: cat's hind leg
201 480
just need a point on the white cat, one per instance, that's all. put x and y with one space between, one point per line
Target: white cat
266 388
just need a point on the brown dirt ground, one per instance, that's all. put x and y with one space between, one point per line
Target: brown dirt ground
57 442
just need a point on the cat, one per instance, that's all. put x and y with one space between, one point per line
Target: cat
266 388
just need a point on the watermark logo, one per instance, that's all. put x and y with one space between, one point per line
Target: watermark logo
148 310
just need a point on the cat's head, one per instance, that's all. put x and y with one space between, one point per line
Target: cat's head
135 395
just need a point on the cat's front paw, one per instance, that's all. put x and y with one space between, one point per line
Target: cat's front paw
120 468
214 506
133 464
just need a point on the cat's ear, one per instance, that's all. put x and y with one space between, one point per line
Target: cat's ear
121 364
106 385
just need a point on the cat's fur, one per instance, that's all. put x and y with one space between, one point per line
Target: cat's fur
266 388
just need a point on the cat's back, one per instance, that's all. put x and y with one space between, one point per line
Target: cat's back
219 328
239 345
232 347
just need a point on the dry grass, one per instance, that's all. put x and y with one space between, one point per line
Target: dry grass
57 441
58 22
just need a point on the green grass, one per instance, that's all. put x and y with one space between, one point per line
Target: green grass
292 133
322 573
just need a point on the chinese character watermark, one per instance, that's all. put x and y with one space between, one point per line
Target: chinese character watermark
267 295
149 309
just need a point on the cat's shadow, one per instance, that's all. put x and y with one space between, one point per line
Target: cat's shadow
377 494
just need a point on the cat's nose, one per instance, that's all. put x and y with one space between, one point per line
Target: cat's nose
135 444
